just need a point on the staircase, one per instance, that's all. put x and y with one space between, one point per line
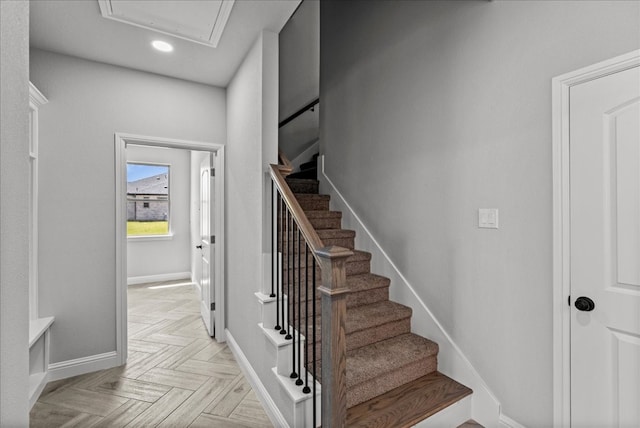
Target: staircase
391 373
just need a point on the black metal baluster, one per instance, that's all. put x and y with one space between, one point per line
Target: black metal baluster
291 259
285 315
299 381
273 253
278 251
292 304
315 372
306 388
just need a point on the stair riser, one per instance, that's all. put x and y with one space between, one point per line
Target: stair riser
320 223
361 338
354 299
314 204
340 242
303 187
355 268
360 393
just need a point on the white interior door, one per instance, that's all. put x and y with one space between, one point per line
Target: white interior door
605 251
207 243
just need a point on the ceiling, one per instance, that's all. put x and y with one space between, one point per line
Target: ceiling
78 28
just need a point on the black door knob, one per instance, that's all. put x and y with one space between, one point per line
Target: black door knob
584 304
199 247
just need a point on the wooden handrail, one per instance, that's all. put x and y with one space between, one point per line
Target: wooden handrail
284 164
309 233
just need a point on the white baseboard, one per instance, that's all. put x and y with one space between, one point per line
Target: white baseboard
79 366
132 280
507 422
270 407
485 407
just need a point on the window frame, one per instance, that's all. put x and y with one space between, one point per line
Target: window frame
159 237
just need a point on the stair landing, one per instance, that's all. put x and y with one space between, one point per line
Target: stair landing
408 404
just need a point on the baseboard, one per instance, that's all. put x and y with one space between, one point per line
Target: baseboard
79 366
132 280
270 407
507 422
485 407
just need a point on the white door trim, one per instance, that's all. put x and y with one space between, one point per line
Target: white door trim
121 141
561 222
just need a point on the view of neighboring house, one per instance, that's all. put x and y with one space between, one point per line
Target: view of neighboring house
147 199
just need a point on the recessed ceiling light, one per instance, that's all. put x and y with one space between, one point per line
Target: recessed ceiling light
162 46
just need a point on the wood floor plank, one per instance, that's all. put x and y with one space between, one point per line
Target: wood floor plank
207 353
145 346
83 420
250 411
169 339
174 378
206 420
193 406
123 414
185 354
162 408
85 401
153 360
231 400
132 388
45 415
208 368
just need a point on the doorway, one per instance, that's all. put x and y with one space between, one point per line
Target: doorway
214 317
596 164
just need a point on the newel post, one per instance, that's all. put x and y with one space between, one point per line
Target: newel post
334 347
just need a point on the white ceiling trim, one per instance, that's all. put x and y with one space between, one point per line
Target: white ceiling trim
219 23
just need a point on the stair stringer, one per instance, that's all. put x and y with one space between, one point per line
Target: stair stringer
485 407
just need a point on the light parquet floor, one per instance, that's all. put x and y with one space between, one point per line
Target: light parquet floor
176 375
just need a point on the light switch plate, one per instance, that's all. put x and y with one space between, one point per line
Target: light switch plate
488 218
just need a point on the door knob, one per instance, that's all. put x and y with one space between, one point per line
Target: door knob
199 247
584 304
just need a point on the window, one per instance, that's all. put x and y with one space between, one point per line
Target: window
148 199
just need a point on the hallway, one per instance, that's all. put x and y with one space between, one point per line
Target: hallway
176 375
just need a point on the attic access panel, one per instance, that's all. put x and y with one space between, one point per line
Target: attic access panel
194 20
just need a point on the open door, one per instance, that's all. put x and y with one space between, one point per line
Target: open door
207 243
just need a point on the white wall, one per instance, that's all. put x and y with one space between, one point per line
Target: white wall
252 108
14 213
88 103
172 256
431 110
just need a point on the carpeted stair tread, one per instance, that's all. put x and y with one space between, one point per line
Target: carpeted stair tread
371 323
303 185
407 405
339 237
366 363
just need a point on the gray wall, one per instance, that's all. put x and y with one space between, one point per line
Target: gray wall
431 110
88 103
157 257
14 213
299 60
